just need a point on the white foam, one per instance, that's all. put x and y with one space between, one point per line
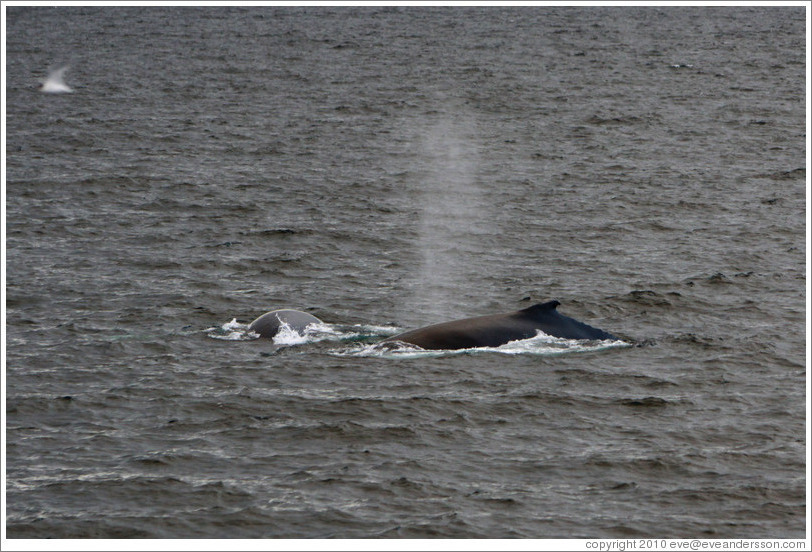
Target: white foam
344 332
541 344
286 335
312 333
392 349
231 331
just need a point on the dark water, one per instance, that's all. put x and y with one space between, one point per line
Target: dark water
387 168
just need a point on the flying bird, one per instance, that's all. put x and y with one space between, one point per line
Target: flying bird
55 82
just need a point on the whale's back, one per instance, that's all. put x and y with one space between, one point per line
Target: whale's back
268 324
498 329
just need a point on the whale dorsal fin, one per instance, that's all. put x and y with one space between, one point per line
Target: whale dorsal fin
541 308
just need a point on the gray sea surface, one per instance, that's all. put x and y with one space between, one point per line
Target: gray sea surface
385 168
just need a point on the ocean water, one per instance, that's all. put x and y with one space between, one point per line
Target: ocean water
385 168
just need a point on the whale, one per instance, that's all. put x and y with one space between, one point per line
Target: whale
269 324
498 329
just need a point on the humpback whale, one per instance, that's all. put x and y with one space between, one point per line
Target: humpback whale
497 329
268 324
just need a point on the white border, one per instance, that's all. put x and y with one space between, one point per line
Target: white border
405 544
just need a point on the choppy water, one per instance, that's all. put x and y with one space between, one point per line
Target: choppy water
384 169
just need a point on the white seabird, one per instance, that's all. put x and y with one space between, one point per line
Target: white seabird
55 82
